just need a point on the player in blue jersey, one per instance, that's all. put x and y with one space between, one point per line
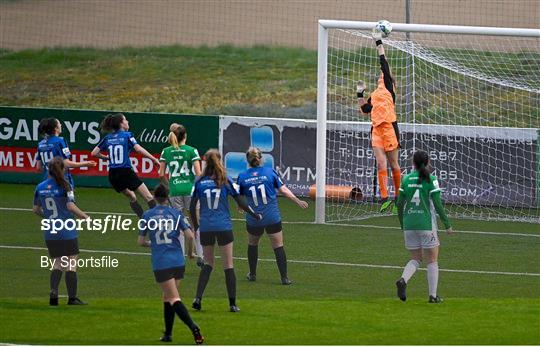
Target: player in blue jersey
54 201
260 185
163 225
54 146
118 144
212 190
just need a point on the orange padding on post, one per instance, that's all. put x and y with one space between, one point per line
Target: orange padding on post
340 193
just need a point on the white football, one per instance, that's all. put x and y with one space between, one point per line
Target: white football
384 27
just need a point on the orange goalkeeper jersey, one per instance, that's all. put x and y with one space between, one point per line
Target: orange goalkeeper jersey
384 109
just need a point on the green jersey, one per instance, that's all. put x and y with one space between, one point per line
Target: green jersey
180 164
419 202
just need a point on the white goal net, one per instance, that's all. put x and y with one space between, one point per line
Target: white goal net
472 101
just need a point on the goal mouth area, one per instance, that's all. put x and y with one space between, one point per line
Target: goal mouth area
470 95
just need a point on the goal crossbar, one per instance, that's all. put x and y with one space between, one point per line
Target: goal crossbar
430 28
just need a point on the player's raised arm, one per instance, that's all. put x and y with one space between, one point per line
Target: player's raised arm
365 106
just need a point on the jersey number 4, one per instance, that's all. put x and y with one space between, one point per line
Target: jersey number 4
416 197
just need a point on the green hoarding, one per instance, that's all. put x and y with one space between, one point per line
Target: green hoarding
80 129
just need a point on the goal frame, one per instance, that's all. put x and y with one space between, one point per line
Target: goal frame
322 80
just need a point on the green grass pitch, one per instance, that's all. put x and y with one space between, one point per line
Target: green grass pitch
343 292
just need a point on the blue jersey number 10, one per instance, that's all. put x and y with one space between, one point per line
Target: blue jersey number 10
116 154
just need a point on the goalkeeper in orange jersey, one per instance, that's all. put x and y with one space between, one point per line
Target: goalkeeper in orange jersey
384 131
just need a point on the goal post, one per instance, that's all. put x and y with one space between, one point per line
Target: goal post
471 96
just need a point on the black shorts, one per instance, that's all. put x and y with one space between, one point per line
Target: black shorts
172 272
208 238
124 178
270 229
60 248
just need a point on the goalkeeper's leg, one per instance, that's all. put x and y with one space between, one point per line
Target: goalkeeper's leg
382 175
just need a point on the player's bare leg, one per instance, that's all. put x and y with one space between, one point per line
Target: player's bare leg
147 196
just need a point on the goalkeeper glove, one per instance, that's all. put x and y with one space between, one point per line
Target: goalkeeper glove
377 36
360 89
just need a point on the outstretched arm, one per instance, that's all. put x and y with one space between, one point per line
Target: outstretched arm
365 105
139 149
73 164
290 195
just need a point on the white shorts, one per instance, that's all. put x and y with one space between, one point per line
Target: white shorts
180 202
417 239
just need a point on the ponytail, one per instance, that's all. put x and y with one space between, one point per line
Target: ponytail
214 167
421 163
112 122
254 157
56 170
177 134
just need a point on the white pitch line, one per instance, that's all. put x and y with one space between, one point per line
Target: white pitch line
308 262
311 223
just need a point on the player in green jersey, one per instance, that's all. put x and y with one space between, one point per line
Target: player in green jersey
419 201
184 165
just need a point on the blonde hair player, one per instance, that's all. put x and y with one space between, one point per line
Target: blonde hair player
184 165
260 185
213 190
384 131
419 199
